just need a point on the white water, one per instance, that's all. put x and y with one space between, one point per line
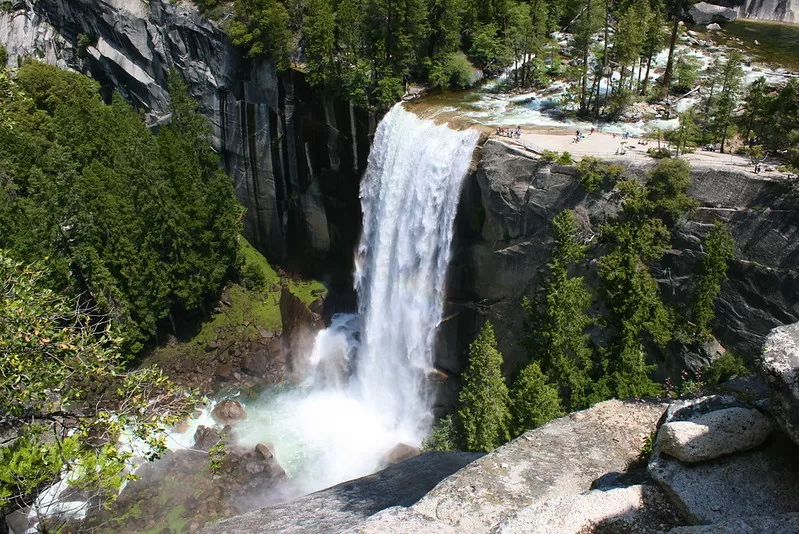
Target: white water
366 389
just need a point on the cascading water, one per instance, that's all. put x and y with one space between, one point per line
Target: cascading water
777 10
366 389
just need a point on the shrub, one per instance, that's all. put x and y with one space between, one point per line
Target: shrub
659 153
451 70
566 159
549 156
443 437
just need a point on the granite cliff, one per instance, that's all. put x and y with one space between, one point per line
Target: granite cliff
294 154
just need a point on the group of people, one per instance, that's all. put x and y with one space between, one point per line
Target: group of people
580 135
510 132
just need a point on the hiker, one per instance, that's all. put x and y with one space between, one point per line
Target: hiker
592 130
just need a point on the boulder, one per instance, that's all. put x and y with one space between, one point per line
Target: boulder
779 365
761 481
400 453
348 504
704 13
781 524
537 466
713 27
205 438
265 451
229 412
714 434
575 514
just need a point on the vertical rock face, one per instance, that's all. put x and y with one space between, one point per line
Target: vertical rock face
504 236
295 155
779 10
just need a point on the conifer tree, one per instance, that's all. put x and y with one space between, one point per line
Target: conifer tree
533 401
719 248
484 414
558 319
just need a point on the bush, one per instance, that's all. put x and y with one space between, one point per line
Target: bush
727 367
549 156
452 70
659 153
444 436
566 159
592 172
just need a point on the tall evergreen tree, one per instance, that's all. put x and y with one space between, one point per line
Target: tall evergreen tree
719 248
484 415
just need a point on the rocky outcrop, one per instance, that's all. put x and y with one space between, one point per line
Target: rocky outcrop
300 326
294 154
779 364
784 523
778 10
503 240
228 412
714 434
763 481
560 458
346 505
704 13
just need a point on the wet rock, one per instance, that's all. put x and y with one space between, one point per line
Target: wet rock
714 434
205 438
779 365
264 450
346 505
228 412
300 326
400 453
713 27
224 370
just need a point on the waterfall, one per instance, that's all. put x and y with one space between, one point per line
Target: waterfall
367 388
777 10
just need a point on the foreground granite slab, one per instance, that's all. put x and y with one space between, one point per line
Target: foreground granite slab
347 504
558 459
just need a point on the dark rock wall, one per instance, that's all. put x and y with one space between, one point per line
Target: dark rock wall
295 154
503 239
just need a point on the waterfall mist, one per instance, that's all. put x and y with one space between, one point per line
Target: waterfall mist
366 388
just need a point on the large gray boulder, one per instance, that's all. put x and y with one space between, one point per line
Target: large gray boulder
781 524
714 434
779 364
704 13
561 458
762 481
349 504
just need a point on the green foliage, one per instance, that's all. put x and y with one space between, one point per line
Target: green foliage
533 401
565 159
261 27
558 318
658 153
484 414
487 48
592 172
61 379
319 34
3 57
719 248
141 225
444 436
667 189
686 74
549 156
451 70
726 367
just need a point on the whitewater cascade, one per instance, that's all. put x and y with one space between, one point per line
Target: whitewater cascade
367 387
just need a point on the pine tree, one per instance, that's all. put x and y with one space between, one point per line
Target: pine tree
558 319
319 34
484 414
533 401
719 248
